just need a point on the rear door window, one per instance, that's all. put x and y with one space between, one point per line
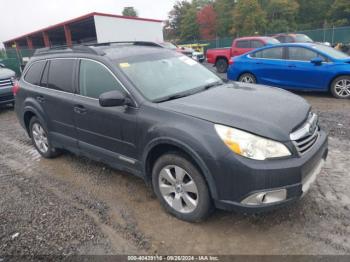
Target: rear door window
95 79
34 73
243 44
270 53
61 75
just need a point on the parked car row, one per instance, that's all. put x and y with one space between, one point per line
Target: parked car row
298 66
221 57
290 61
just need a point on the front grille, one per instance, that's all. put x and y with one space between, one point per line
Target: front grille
305 143
306 136
6 98
6 82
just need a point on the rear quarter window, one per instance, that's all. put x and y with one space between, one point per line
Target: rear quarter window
33 75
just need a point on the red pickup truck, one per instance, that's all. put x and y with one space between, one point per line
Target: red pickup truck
221 57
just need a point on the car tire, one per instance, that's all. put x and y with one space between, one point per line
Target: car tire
40 139
221 65
340 87
247 78
181 188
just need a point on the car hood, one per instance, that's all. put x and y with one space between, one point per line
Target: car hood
266 111
6 73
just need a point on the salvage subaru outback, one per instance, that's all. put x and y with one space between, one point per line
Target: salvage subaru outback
199 141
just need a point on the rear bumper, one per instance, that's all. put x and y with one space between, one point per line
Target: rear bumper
293 177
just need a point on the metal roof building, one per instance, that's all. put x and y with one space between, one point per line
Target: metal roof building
91 28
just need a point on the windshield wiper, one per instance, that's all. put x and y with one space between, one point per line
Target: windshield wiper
183 94
172 97
214 84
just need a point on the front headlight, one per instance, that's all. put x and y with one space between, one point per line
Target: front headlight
249 145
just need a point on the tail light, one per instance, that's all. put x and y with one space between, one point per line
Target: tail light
15 88
230 61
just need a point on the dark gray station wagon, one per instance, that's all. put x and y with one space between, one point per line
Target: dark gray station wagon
200 142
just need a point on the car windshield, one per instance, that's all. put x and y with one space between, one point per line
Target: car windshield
303 39
167 75
331 51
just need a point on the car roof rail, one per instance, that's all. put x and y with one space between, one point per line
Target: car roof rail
66 49
138 43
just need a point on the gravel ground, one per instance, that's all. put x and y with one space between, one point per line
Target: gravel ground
71 205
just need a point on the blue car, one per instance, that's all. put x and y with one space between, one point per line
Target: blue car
295 66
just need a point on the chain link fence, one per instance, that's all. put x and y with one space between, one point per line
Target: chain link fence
16 59
332 35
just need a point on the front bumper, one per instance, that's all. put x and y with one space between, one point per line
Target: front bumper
6 96
287 179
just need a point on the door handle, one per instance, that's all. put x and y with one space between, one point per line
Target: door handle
292 66
80 109
40 99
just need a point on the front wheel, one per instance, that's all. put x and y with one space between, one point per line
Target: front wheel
181 188
340 87
221 65
247 78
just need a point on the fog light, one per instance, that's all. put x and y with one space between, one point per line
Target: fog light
265 197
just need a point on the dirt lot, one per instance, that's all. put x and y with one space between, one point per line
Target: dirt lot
70 205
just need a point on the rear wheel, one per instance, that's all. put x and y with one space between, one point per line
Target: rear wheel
247 78
181 188
221 65
40 139
340 87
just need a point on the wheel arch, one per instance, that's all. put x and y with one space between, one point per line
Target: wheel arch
220 57
29 112
335 77
164 145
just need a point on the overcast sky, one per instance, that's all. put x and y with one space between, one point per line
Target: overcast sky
18 17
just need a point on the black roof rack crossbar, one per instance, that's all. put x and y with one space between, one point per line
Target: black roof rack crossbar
66 49
140 43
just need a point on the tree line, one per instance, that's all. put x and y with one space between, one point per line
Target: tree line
209 19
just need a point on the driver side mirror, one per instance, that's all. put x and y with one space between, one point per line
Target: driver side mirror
2 65
113 98
317 61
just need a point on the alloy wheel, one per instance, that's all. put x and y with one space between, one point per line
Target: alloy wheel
342 88
247 79
40 138
178 189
